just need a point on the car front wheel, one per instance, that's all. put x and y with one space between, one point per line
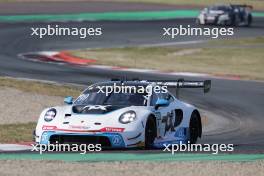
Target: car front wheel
194 128
150 133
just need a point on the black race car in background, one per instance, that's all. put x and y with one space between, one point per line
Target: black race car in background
233 15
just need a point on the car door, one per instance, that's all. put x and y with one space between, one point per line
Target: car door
165 116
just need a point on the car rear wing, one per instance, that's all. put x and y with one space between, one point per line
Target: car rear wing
181 83
243 6
177 84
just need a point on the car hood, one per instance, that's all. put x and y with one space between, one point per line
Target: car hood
215 12
95 109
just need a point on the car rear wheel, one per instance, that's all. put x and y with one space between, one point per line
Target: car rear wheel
234 20
198 21
194 128
249 21
150 133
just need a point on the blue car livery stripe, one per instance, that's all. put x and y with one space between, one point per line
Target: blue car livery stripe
115 138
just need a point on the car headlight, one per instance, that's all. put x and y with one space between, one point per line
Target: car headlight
224 17
127 117
50 115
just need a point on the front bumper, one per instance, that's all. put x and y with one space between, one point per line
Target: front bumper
106 139
211 20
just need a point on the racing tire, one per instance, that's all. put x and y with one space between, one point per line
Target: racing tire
34 135
150 133
198 21
194 128
234 21
249 21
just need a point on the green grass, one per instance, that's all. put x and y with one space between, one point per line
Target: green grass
40 87
12 133
123 156
257 4
224 57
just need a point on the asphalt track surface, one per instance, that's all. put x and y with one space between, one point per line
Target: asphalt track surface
239 104
81 7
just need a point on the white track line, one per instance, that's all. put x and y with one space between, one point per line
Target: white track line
14 147
174 43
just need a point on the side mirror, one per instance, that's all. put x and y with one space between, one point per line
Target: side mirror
68 100
161 103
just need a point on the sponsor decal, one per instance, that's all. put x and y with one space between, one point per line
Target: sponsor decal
116 140
79 127
112 129
84 129
90 107
181 132
45 127
45 137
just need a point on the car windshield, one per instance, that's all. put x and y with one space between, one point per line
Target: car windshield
93 97
222 8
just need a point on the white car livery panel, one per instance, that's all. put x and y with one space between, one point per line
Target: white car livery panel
123 120
230 14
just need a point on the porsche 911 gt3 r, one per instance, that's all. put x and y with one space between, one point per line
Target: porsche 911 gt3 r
235 15
123 119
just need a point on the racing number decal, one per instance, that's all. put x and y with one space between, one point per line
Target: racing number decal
169 122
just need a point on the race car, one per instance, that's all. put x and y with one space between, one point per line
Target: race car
141 116
235 15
